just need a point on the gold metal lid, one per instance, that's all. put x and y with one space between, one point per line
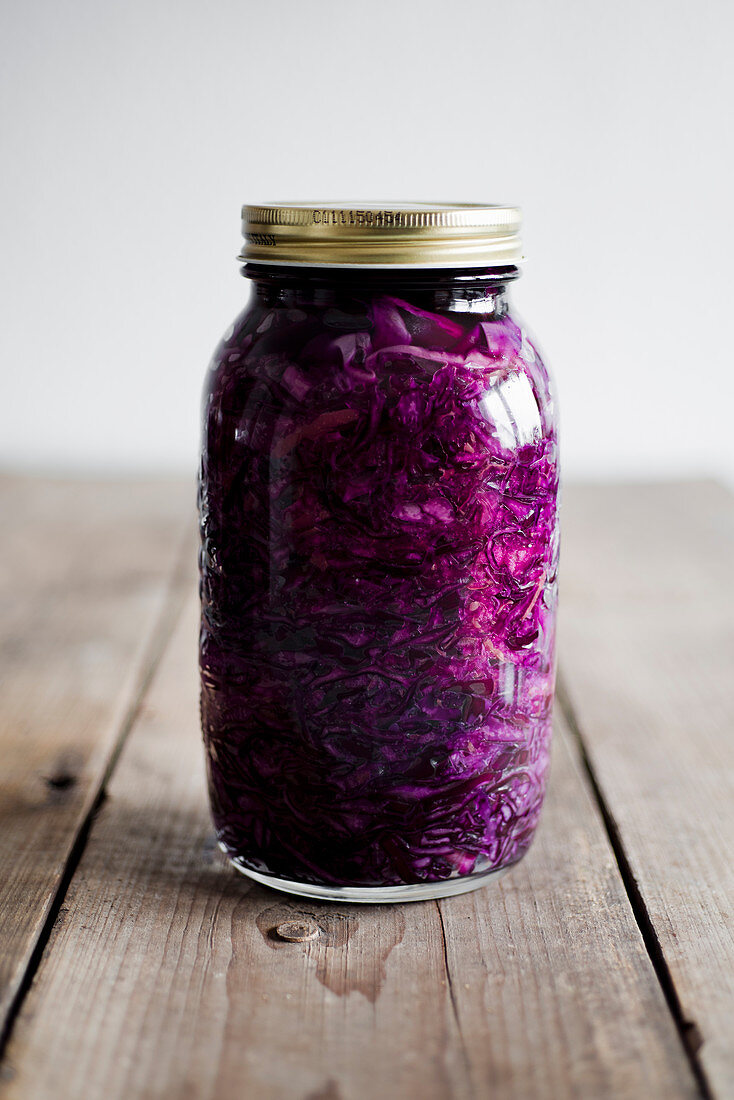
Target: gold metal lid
375 235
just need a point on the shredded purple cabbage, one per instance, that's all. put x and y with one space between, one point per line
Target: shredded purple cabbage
378 570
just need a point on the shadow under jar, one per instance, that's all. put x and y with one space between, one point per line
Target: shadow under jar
379 547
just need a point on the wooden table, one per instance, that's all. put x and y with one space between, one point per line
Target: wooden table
134 963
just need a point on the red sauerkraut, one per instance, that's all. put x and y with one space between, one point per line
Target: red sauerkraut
378 502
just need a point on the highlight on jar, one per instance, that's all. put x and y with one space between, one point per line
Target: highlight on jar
378 501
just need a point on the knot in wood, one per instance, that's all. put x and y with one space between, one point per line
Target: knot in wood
298 931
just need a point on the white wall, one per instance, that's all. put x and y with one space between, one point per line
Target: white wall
132 131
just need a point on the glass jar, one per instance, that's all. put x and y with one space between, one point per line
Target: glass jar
379 547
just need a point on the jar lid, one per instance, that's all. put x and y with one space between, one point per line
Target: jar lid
460 234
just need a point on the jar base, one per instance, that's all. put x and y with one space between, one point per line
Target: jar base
374 895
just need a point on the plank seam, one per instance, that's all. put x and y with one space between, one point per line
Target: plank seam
452 996
160 634
688 1030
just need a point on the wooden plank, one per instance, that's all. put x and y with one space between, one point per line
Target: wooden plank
164 976
85 572
648 650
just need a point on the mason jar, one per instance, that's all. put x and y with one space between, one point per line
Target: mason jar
379 550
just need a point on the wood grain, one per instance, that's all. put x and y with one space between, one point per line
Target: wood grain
165 977
647 648
85 573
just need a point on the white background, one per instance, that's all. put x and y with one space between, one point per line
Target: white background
133 131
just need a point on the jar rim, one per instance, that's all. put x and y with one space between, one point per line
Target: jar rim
382 235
